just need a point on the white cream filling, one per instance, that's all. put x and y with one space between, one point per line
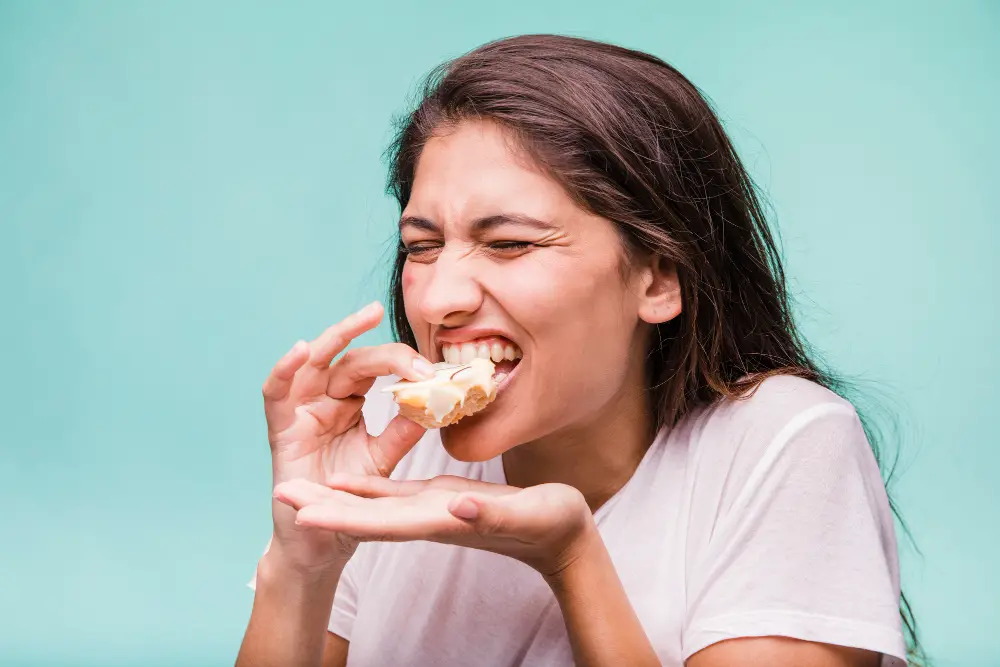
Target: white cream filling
439 395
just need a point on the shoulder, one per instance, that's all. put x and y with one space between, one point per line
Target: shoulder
789 530
778 400
777 408
788 428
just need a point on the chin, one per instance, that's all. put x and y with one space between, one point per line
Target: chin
478 438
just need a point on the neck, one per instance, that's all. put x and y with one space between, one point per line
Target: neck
597 457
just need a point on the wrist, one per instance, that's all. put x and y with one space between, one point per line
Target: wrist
603 627
586 550
278 563
291 611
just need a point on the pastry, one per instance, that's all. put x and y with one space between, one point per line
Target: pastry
455 391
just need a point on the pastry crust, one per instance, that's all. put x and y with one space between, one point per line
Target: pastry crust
475 400
456 391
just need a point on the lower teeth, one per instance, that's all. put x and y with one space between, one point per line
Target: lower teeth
499 377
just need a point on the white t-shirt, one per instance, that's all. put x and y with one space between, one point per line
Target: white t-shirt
765 516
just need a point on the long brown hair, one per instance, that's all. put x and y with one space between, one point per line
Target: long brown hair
633 141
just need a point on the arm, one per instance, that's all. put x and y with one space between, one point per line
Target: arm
781 651
291 611
550 527
315 427
603 628
335 654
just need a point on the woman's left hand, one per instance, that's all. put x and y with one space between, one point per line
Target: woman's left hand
548 526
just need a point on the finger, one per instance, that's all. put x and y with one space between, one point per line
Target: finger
279 382
484 513
525 512
334 415
389 447
355 370
299 493
333 341
465 485
507 514
384 519
369 486
372 486
363 386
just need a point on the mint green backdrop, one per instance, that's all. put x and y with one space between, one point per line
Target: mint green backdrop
188 188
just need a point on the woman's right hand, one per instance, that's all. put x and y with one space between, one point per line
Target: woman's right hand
315 428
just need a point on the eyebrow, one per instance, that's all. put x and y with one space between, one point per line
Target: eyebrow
481 225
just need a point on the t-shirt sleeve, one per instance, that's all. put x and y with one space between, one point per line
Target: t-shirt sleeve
803 544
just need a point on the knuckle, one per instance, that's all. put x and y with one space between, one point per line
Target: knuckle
270 391
337 339
350 363
316 359
378 458
394 353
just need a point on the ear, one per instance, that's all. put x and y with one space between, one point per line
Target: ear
659 291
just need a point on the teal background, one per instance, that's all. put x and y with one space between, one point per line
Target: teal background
187 188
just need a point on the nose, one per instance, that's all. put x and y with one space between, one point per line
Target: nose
451 294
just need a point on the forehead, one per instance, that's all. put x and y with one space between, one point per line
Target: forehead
476 169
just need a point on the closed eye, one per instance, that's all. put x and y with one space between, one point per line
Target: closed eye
418 248
426 251
507 246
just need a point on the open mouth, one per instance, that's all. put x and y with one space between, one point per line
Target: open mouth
504 354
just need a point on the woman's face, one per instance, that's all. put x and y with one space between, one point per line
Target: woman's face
500 257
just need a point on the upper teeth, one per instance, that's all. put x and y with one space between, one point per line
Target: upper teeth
463 353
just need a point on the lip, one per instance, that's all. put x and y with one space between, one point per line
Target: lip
501 390
510 376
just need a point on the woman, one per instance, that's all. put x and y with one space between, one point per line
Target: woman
665 478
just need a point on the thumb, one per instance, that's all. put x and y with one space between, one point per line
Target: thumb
489 515
394 442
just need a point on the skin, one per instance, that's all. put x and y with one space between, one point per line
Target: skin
551 286
533 284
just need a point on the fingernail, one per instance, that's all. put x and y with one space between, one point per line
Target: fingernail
370 308
423 368
465 509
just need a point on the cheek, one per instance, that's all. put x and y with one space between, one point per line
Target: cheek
580 317
407 277
551 295
409 283
536 290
